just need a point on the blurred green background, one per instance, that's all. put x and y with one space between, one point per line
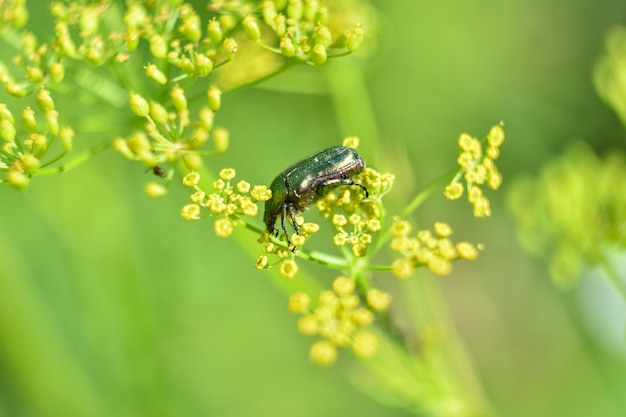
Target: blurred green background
111 304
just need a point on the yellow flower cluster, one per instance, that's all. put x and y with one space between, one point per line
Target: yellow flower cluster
170 135
478 168
340 319
435 251
227 202
362 215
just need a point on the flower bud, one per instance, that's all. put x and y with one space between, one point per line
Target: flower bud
214 31
269 12
28 116
230 46
294 9
7 130
154 189
220 139
52 121
158 46
18 179
139 105
287 48
318 54
322 36
191 28
280 25
215 98
14 89
57 72
251 27
354 38
192 161
132 39
178 98
153 72
34 74
203 65
30 163
67 135
44 101
158 113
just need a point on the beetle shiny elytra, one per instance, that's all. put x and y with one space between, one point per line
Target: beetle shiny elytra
298 187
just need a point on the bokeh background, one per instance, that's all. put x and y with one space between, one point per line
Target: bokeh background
111 304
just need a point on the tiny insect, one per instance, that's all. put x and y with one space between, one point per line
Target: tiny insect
298 187
159 171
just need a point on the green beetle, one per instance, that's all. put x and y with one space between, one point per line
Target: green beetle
298 187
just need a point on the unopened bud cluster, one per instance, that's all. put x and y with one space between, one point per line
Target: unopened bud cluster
476 159
340 318
434 250
227 202
170 136
32 141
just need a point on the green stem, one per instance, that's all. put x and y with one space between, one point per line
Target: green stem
83 157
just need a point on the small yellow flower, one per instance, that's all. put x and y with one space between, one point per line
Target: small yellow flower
442 229
496 136
299 302
365 344
261 193
243 187
308 325
191 179
262 262
351 142
343 285
466 250
227 174
323 353
190 212
378 299
288 269
454 191
402 268
154 189
219 185
362 317
223 227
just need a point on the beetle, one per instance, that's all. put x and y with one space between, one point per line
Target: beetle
299 186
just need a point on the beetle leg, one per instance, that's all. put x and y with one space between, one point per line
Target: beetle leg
345 181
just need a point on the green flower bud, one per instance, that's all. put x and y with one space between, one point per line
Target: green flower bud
5 113
94 55
52 121
322 36
34 74
153 72
121 146
203 65
28 115
230 46
57 72
287 48
199 138
7 130
214 31
220 139
318 54
294 9
186 65
132 39
269 12
29 43
14 89
44 101
67 135
206 117
280 25
228 22
18 179
251 27
158 46
310 9
139 105
158 113
354 38
215 98
30 163
192 161
89 19
322 15
178 98
191 28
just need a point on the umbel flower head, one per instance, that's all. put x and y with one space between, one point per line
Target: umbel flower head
476 159
573 213
340 319
227 203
